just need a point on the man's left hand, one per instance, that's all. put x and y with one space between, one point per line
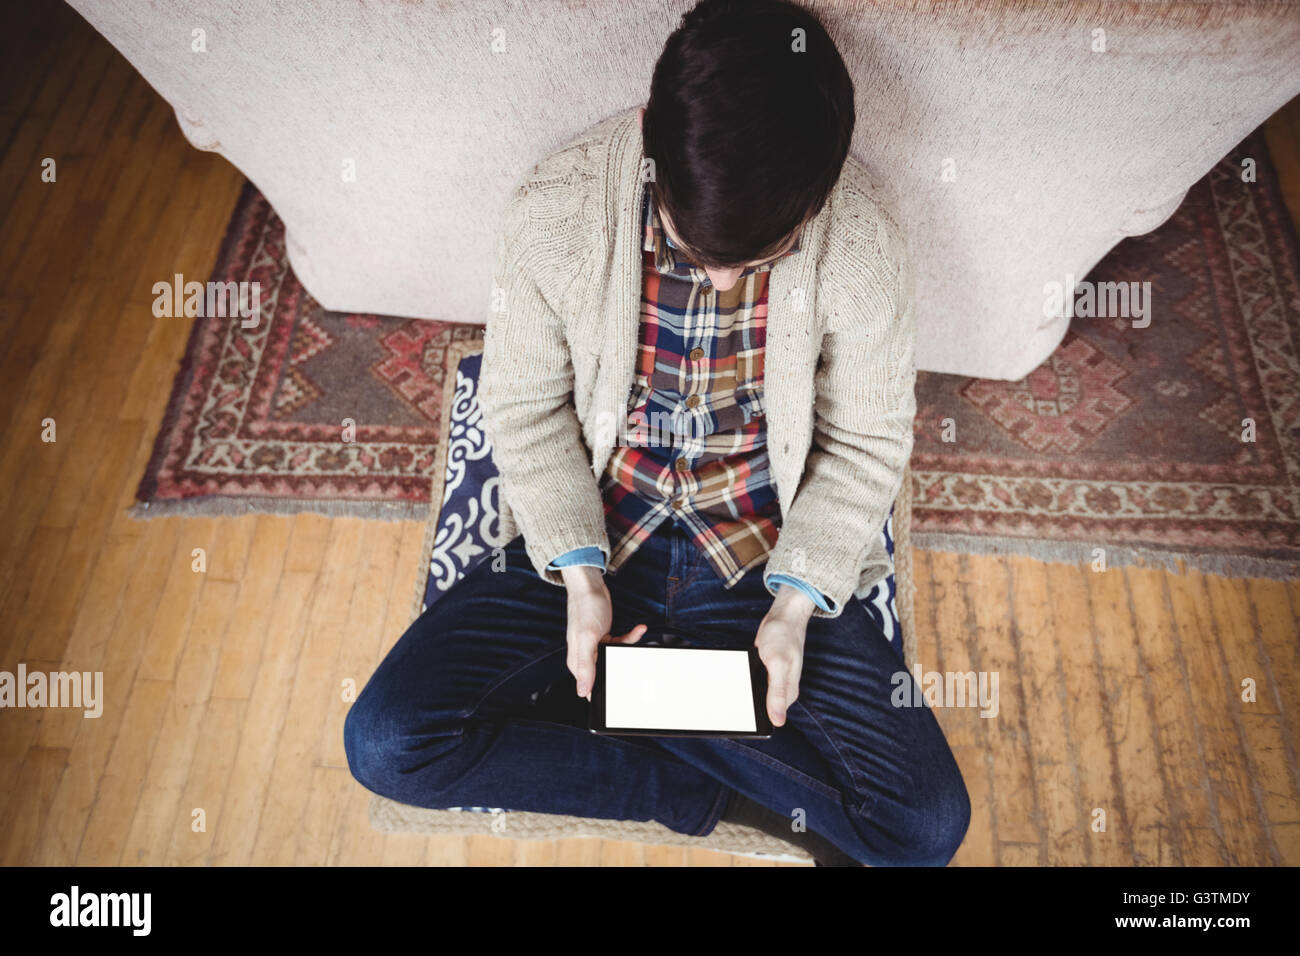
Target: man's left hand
780 648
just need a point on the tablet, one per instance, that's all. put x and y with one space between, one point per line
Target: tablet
679 692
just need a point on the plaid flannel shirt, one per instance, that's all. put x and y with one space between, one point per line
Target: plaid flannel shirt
694 450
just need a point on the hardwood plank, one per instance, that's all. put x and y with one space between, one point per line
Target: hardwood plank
231 547
1214 704
264 719
200 809
50 117
1258 722
310 533
965 730
397 616
1282 133
1010 792
36 576
97 616
92 741
698 857
1193 813
30 49
377 586
583 851
1086 702
58 609
980 848
1057 780
1019 854
328 799
454 851
150 836
489 850
240 657
356 842
65 201
194 258
119 351
310 698
122 780
953 621
182 589
1147 796
406 849
41 770
620 853
1276 628
654 856
1287 838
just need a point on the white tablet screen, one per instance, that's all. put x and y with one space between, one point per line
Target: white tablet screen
667 688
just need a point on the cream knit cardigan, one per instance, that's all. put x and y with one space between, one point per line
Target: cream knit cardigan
560 346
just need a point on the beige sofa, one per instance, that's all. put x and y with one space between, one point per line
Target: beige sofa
1022 138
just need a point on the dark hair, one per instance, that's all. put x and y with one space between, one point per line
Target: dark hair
748 134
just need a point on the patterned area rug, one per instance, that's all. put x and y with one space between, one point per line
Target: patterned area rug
1125 438
1132 438
310 411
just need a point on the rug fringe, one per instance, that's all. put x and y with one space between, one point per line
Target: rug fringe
1076 553
222 507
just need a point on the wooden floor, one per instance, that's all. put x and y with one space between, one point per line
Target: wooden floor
1119 692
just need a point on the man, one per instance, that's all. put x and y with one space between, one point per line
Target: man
698 384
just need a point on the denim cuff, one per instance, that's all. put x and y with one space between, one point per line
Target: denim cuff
589 557
823 602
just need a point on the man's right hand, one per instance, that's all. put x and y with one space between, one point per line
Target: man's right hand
590 616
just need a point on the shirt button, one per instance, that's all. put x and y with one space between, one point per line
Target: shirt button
697 354
683 464
693 401
678 505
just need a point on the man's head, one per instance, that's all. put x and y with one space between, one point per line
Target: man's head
748 123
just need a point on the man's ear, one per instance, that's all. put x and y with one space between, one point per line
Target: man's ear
640 118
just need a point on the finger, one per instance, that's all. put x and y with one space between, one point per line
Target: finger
776 706
791 693
792 684
583 679
778 672
632 636
584 664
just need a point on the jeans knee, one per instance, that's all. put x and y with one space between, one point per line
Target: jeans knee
927 830
940 822
952 820
370 744
387 751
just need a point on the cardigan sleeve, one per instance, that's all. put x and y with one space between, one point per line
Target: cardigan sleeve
525 394
863 415
775 581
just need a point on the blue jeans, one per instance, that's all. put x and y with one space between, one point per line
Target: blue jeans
474 707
